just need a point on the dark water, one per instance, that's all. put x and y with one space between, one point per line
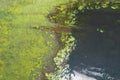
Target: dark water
97 52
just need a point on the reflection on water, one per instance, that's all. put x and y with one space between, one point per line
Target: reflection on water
79 76
97 52
85 73
74 75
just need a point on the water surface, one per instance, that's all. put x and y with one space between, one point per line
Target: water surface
97 52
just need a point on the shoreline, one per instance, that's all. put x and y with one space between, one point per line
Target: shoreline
65 44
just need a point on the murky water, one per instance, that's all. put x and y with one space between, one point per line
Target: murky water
97 52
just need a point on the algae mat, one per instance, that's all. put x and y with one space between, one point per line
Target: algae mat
24 52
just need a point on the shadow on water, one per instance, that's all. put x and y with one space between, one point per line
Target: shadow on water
97 52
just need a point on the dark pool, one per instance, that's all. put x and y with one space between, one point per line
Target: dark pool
97 52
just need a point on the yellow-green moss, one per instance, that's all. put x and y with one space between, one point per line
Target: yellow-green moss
24 50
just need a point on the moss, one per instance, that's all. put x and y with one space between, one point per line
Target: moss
24 50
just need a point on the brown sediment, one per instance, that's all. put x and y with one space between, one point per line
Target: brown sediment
59 29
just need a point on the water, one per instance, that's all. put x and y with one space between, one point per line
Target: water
97 52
